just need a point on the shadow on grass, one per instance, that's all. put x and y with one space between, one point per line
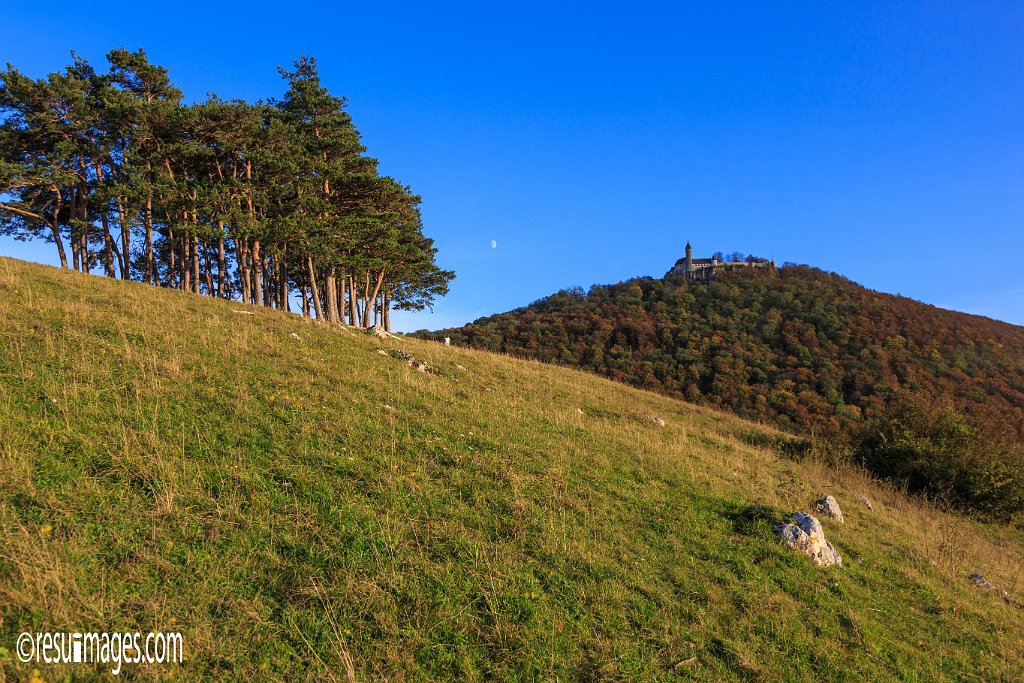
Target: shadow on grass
754 519
791 447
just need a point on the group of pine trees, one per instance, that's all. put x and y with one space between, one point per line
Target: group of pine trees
270 202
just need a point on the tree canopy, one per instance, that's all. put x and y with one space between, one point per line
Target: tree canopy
259 201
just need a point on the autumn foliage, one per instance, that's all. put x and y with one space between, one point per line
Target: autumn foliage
806 350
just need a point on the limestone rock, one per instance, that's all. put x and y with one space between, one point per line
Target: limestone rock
979 581
378 331
865 502
654 420
294 336
829 507
382 352
805 535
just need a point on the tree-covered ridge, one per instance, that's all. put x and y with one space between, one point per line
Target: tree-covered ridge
807 350
230 199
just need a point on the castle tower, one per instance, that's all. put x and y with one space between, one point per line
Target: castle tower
689 258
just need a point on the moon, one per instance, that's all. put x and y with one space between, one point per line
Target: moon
494 244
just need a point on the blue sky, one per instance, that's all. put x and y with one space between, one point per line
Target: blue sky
590 141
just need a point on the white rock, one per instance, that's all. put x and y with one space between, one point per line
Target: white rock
654 420
806 536
378 331
294 336
447 341
829 507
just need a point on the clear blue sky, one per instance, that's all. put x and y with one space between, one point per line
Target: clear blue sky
883 141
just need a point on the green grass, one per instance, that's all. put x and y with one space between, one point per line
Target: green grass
311 509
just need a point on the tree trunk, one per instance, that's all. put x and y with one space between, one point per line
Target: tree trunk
150 256
55 229
387 310
305 301
108 250
185 279
286 304
83 207
331 296
172 271
311 274
208 275
222 264
341 299
195 264
124 258
376 289
242 261
269 273
257 264
353 314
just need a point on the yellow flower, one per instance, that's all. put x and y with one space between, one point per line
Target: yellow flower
36 677
46 529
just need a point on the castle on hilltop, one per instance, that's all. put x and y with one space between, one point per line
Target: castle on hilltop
706 269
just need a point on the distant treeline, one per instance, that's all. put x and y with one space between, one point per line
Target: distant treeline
253 201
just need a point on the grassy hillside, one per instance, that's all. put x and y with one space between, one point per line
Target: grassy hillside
310 509
806 350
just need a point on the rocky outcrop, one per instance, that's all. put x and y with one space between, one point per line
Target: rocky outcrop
829 507
409 359
805 535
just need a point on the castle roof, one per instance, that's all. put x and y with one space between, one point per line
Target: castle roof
697 261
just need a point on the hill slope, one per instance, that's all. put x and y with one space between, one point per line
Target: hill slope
801 348
306 507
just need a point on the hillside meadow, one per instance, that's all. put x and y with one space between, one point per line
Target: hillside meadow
302 507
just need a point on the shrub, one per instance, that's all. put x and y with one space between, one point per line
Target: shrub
935 452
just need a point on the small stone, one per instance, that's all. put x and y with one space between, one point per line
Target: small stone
382 352
460 367
294 336
865 502
979 581
654 420
806 536
378 331
829 507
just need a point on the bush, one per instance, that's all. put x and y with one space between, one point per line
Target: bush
935 452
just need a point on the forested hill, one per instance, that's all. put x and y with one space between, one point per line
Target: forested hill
805 349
